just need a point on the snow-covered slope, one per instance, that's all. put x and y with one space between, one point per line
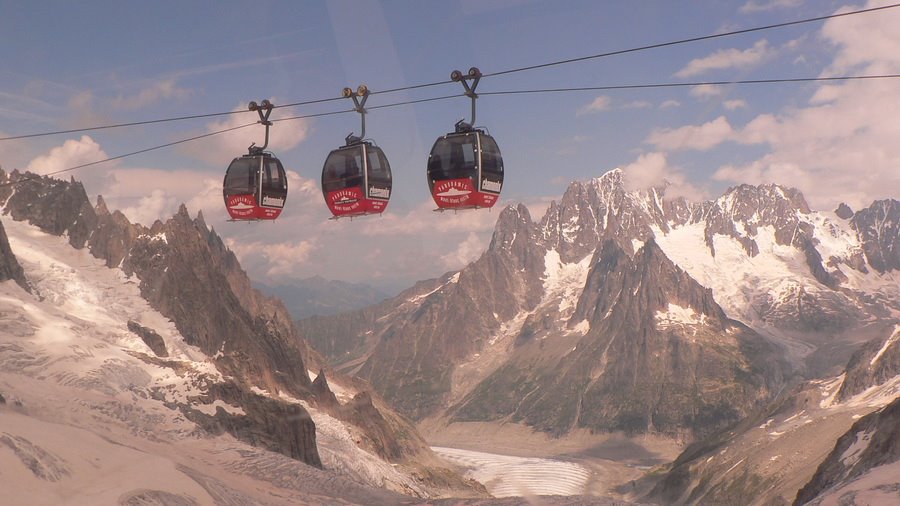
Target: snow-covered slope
90 415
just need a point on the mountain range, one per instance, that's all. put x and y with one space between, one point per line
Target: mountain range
629 311
761 334
123 344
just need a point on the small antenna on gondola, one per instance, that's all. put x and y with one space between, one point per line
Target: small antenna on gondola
264 109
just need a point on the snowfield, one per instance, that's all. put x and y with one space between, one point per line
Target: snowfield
507 476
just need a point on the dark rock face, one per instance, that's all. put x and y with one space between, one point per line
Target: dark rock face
113 236
843 211
187 280
878 227
412 361
633 371
276 425
9 266
324 395
71 212
873 364
873 441
150 337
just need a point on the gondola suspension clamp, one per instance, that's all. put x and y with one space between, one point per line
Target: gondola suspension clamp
359 106
264 109
475 76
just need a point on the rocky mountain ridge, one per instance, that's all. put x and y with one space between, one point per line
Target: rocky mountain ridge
185 272
800 279
801 440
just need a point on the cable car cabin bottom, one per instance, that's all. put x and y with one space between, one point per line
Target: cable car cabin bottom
350 202
245 207
461 194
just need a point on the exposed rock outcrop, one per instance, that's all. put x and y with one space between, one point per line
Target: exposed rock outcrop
151 338
873 442
9 266
875 363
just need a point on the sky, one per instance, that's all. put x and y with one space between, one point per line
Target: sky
75 65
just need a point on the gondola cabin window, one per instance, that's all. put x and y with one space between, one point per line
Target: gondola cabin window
241 177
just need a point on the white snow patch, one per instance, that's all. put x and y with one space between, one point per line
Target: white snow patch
636 245
887 344
508 476
829 390
676 315
564 281
853 453
582 327
453 279
835 237
210 409
510 328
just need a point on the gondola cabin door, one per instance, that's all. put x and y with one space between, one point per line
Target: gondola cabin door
255 188
356 180
465 171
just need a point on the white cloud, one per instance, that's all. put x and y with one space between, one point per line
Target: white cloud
219 149
732 105
843 146
702 137
706 91
422 219
842 150
865 43
728 59
638 104
282 258
760 5
668 104
653 170
599 104
71 154
467 251
158 205
162 90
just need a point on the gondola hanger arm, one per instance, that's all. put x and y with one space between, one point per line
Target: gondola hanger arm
473 75
359 105
264 109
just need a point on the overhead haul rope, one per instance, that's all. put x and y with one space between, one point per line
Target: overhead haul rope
507 92
502 72
698 83
118 157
